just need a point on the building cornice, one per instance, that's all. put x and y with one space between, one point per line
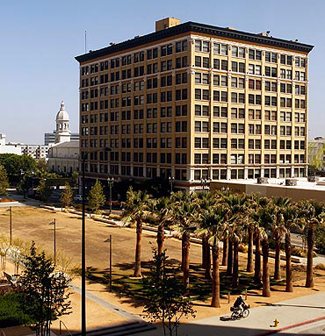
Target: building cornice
189 27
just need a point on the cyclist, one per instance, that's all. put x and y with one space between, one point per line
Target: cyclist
240 303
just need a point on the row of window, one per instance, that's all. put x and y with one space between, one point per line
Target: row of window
222 143
253 54
252 158
253 69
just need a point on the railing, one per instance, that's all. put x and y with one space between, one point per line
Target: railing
62 323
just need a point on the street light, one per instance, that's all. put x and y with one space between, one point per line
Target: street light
10 227
109 240
54 242
171 181
83 245
110 181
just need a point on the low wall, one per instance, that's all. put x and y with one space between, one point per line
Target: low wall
268 190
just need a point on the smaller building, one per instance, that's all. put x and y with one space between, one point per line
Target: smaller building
63 156
35 151
316 153
10 148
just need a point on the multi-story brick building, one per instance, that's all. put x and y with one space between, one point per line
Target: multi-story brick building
193 101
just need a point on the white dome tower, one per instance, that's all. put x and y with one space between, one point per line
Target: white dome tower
62 133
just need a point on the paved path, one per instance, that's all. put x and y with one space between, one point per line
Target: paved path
108 305
261 320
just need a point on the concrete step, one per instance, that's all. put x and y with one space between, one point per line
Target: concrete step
124 329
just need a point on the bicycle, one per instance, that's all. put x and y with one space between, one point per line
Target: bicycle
238 313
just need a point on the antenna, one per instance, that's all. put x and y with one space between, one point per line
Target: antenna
85 41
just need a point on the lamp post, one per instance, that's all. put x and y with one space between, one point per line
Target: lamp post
171 181
83 245
10 225
110 181
54 240
109 240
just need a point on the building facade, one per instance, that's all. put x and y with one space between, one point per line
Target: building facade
316 153
195 102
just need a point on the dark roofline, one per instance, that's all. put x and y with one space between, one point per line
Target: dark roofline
196 28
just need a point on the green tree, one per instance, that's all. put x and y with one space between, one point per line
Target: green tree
135 208
46 295
96 197
66 196
167 301
74 179
44 190
4 183
15 164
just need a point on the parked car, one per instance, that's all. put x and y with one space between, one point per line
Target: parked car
78 198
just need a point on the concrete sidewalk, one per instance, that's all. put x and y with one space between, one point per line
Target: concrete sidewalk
260 321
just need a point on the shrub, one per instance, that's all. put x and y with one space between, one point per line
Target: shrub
11 313
242 248
320 267
320 240
300 252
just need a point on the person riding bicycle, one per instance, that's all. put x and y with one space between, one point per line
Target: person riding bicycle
240 303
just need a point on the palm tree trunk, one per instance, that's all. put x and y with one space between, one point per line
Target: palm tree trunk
310 250
257 275
250 267
277 258
204 250
225 251
289 286
183 252
235 271
266 275
186 270
160 238
137 269
215 277
230 256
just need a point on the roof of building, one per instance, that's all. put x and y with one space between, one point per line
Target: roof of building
66 144
62 114
302 183
196 28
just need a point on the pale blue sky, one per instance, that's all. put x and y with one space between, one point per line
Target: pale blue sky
39 40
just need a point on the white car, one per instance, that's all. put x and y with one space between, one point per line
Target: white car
78 198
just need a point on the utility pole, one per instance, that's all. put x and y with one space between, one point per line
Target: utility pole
54 239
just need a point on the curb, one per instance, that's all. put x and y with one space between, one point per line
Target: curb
271 332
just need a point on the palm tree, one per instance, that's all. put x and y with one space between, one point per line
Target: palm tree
311 216
290 215
254 202
135 208
185 215
212 221
161 208
206 202
267 216
278 229
238 215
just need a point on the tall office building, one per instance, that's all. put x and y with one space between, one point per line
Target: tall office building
194 101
